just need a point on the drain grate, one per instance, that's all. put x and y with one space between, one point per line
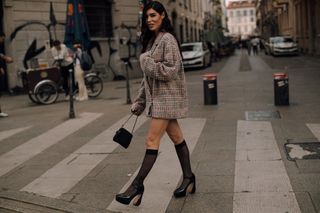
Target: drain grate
261 115
302 150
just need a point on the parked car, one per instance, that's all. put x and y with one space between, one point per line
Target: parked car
281 45
195 54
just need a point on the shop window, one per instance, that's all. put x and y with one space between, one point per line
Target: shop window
99 15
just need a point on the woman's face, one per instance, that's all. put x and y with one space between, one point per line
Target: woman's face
154 20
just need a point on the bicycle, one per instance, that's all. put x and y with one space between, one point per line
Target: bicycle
43 85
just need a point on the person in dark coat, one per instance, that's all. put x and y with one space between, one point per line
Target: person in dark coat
3 60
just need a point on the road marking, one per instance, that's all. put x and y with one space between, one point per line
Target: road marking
8 133
261 181
31 148
163 179
315 129
67 173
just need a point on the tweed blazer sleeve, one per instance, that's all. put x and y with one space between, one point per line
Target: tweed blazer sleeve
141 97
164 62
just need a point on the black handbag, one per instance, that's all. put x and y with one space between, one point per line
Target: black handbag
123 136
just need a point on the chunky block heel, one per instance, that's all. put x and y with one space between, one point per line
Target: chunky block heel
136 196
187 185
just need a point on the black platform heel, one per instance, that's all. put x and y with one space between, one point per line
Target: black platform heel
187 185
136 196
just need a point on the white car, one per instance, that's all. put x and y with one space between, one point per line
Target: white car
280 45
195 54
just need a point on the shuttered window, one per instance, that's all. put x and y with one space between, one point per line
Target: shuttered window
99 15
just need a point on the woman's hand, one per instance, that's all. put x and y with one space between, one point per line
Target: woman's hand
137 109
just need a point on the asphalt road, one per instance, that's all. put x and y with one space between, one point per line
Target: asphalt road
248 155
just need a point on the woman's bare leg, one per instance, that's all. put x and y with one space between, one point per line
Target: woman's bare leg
175 134
156 130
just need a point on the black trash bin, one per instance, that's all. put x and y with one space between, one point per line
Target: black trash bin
281 89
210 89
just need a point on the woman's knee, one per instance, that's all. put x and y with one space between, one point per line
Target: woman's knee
176 138
152 141
174 132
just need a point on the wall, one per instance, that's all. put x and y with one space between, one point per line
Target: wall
19 12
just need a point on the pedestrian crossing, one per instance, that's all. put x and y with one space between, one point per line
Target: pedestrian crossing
31 148
315 129
66 174
261 183
11 132
165 174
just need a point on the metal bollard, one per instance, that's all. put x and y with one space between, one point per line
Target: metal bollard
281 89
210 88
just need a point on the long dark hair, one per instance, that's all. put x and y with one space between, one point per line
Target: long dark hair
146 34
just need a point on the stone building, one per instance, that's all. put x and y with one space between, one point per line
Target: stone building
297 18
110 21
241 18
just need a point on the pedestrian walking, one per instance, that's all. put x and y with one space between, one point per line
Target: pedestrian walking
163 94
3 60
61 54
249 47
79 73
255 43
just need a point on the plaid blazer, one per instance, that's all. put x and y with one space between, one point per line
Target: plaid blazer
163 89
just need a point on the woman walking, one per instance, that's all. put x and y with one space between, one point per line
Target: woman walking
78 73
163 94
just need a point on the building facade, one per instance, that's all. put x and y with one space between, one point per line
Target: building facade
297 18
110 22
241 18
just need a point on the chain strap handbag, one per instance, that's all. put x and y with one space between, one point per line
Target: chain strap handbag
123 136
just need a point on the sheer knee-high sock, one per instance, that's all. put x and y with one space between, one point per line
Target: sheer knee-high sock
184 158
147 163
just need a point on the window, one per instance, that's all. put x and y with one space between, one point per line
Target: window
99 15
238 13
251 12
231 13
252 19
244 13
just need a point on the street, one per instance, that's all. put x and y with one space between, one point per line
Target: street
240 156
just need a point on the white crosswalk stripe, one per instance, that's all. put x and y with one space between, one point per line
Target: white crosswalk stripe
261 182
66 174
165 174
31 148
315 129
11 132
